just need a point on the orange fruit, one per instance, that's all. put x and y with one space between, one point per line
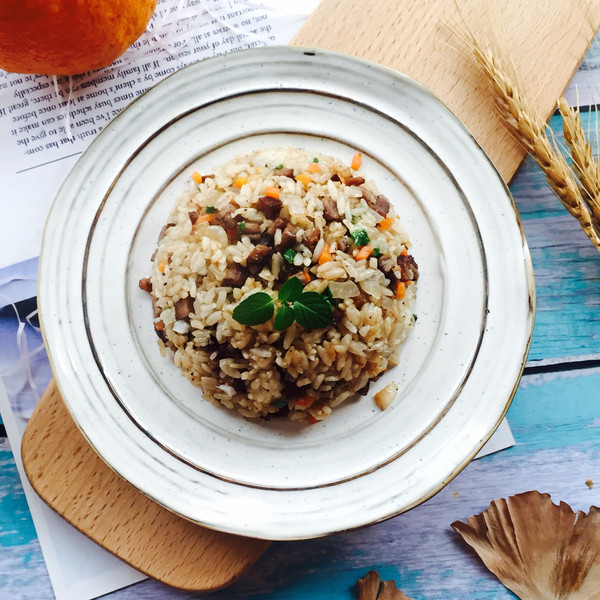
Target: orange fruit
65 37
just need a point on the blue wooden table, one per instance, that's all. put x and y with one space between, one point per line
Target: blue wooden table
555 419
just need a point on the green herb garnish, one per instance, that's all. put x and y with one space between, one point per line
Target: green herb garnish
209 210
278 167
241 227
280 403
360 237
376 252
315 160
415 317
255 309
311 310
289 255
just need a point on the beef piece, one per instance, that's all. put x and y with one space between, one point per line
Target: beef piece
193 216
355 181
183 307
284 172
365 389
234 276
288 238
360 300
251 230
343 244
382 205
161 333
161 235
270 207
154 255
409 271
335 177
145 284
311 238
227 221
259 255
330 211
155 309
338 315
239 385
278 223
385 263
266 239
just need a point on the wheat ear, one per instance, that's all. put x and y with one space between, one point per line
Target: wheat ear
584 164
532 132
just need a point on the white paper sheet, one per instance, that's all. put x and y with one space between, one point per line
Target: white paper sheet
79 569
46 122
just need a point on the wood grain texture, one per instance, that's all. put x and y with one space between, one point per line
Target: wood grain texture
419 39
69 476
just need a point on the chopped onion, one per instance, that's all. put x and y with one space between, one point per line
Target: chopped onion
384 397
181 326
344 289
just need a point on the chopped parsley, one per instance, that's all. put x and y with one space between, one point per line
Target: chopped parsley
210 210
289 255
360 237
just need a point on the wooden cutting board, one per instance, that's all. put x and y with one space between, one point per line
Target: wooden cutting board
546 41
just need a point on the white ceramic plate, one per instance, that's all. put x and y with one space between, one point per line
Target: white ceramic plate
458 371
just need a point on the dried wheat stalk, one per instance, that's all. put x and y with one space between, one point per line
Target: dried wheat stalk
584 163
531 130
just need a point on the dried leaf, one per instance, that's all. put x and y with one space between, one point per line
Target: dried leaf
369 588
537 549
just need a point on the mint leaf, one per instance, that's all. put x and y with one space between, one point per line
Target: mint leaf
290 290
255 309
313 311
209 210
241 227
376 252
360 237
284 318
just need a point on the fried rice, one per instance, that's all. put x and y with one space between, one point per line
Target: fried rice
250 226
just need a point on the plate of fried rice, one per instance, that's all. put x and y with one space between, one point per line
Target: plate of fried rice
285 293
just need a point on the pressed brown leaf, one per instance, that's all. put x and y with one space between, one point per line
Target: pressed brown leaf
370 588
537 549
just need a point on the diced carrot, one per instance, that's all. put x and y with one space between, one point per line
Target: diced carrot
312 420
325 255
161 267
400 289
305 401
197 177
304 179
364 252
404 251
385 223
240 181
409 282
313 168
208 218
272 192
306 276
159 325
356 161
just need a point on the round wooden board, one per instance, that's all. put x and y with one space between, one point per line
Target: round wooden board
73 480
